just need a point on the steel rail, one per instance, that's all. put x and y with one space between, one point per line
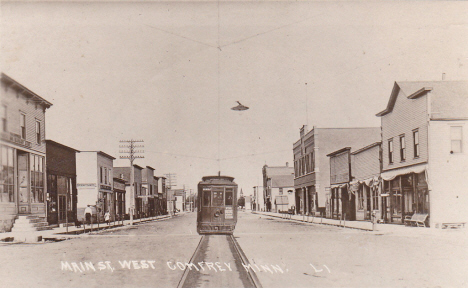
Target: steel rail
187 270
253 277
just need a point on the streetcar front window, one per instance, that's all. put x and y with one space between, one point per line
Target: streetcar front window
228 200
206 198
217 198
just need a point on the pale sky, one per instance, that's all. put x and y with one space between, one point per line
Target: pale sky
168 73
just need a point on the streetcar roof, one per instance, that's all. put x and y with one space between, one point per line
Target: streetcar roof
223 180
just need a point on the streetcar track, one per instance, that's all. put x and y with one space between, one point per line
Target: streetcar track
252 279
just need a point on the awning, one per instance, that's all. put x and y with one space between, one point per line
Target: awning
354 187
390 175
339 185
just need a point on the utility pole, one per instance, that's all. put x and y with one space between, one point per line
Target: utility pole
131 156
171 180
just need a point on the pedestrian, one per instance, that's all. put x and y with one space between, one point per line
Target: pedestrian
107 218
88 214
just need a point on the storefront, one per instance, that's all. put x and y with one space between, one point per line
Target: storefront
367 193
405 192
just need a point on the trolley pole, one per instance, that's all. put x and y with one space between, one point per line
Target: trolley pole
131 156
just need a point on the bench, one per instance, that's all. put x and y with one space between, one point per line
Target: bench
416 220
453 225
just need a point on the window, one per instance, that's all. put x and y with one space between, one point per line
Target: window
280 191
402 148
38 132
416 143
105 175
23 125
101 176
3 114
206 198
361 198
228 200
218 198
37 178
6 175
390 151
375 198
456 139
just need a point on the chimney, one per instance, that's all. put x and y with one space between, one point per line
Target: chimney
287 164
443 76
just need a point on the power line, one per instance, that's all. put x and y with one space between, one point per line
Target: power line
131 146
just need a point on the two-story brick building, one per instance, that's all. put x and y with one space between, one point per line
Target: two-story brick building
312 166
425 157
22 152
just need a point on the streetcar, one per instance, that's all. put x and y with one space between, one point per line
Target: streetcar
217 205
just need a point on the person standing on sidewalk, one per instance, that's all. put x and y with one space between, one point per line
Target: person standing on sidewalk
107 218
88 214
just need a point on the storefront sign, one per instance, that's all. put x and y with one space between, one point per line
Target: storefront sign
86 185
105 187
16 139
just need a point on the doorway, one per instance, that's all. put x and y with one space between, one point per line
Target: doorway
24 206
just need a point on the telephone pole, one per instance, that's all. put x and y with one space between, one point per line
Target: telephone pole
131 146
171 180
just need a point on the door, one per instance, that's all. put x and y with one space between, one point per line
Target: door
217 211
24 206
62 208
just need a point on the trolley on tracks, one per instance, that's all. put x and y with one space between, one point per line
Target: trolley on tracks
217 205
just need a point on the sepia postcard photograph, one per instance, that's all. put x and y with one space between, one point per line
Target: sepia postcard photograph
216 143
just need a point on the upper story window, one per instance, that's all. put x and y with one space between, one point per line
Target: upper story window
23 125
38 132
416 143
101 176
3 114
390 151
105 175
402 148
456 139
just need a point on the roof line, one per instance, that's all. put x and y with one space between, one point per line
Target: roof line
339 151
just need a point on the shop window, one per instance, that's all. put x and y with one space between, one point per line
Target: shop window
361 198
416 143
375 198
37 179
402 148
23 125
6 175
456 139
